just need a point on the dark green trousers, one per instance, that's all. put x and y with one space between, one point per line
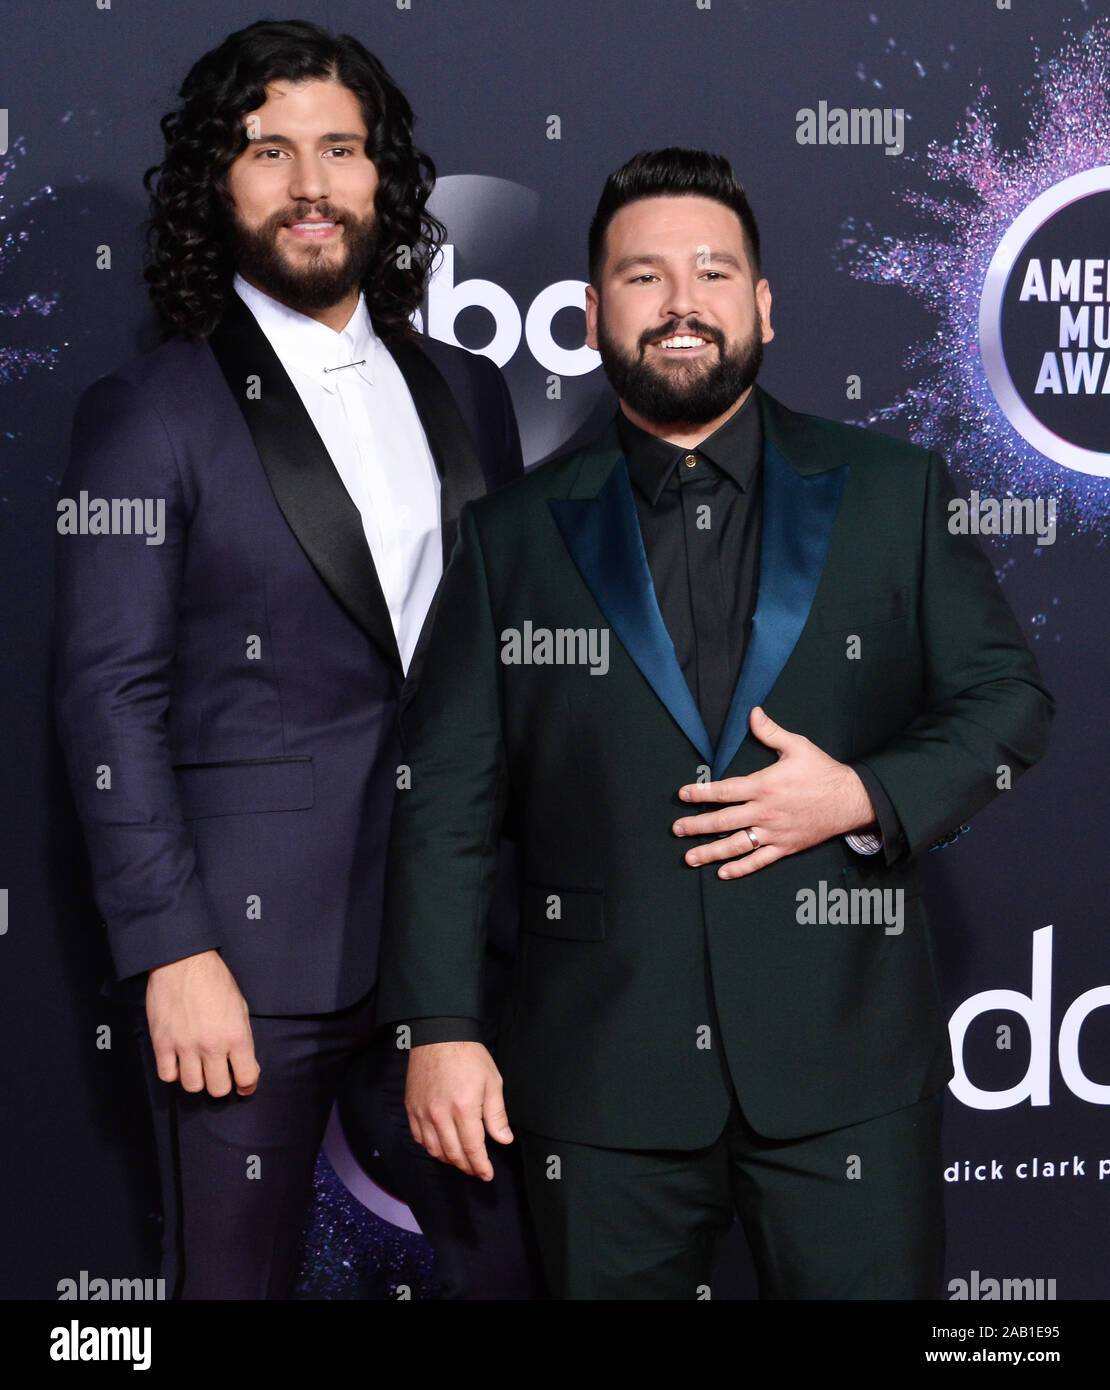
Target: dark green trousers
854 1213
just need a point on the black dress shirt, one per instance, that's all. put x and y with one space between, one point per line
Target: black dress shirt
700 513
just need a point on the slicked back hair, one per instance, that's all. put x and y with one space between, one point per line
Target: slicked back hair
669 173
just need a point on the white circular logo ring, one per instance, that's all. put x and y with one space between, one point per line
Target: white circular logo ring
1046 206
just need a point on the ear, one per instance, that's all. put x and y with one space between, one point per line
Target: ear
591 317
763 304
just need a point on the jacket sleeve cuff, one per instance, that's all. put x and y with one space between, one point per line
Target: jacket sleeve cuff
890 839
436 1030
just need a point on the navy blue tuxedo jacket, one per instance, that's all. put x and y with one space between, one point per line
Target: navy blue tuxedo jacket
227 698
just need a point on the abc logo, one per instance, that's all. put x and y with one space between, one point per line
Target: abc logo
1036 1009
494 227
447 300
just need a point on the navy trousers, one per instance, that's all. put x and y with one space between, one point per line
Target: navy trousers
237 1171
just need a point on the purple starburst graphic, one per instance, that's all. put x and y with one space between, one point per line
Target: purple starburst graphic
981 189
17 362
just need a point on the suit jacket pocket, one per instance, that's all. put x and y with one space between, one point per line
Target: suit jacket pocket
863 612
572 914
243 787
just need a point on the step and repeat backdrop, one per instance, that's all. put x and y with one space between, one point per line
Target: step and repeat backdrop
933 188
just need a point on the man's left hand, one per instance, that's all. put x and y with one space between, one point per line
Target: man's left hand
801 800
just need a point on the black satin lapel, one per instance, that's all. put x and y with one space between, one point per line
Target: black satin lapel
460 474
309 491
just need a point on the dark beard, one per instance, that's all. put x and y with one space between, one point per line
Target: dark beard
318 283
682 396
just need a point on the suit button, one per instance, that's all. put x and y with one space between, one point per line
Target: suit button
691 460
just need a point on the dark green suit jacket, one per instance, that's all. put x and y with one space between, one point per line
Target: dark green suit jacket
644 987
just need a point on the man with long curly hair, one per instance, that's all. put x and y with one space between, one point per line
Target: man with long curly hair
228 688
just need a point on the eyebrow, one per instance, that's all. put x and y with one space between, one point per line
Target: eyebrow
332 138
647 258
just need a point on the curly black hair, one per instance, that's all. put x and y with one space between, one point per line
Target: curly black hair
189 265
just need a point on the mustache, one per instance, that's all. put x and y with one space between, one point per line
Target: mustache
691 326
301 210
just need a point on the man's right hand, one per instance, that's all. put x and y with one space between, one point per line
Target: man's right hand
453 1097
200 1026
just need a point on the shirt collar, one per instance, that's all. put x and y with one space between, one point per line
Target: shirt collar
309 346
736 448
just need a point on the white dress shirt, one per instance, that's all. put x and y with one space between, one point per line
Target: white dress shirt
369 425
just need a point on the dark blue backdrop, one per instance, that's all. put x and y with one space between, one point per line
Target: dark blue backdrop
870 280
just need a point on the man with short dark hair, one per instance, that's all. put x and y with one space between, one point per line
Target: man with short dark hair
802 653
227 693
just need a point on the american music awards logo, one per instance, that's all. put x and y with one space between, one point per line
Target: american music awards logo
1011 261
1044 323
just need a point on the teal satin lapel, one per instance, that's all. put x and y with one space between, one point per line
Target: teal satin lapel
603 537
798 518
